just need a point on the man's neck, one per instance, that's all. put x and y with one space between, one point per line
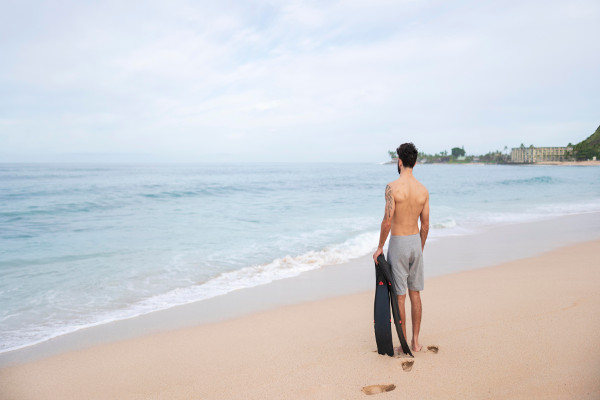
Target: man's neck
406 172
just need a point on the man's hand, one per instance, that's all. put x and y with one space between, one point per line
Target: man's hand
377 253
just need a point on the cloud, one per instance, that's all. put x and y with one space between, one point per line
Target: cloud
298 80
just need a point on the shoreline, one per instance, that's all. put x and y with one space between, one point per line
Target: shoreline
492 325
589 163
443 256
570 163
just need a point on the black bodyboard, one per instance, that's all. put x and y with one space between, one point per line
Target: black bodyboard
386 271
382 321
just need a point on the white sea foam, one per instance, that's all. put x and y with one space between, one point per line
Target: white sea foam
530 214
280 268
447 223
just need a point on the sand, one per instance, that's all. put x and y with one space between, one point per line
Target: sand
571 163
525 329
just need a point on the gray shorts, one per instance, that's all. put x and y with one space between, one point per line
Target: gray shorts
406 258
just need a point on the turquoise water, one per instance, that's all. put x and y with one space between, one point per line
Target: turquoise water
85 244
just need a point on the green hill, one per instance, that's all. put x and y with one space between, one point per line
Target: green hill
588 148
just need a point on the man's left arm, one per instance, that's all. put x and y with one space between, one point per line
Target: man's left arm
424 222
386 224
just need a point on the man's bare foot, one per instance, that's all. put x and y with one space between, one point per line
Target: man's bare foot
415 346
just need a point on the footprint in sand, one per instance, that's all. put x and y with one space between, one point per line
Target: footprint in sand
407 365
375 389
433 348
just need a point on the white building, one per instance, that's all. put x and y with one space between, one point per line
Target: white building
525 155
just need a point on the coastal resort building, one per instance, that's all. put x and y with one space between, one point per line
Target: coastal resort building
528 155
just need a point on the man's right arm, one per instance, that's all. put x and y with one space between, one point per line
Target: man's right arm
424 222
386 223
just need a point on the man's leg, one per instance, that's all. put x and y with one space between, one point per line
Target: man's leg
415 312
401 299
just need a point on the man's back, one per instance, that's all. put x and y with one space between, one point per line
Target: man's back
410 198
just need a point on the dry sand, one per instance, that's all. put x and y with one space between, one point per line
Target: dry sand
528 329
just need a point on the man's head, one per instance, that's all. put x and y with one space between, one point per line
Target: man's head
407 153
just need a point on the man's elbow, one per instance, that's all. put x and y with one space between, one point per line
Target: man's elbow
425 227
386 223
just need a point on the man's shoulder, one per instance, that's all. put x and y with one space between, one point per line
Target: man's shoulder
393 185
422 187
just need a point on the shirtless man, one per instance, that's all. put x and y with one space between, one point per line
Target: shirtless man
406 201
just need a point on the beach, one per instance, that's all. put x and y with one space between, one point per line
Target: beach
521 322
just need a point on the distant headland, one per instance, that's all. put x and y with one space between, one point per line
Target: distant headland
586 152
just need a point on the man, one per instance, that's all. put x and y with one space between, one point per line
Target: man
406 201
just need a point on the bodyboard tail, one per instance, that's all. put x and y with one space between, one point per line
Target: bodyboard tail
386 270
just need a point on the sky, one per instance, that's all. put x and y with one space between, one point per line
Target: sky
293 81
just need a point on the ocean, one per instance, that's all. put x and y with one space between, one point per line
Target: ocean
85 244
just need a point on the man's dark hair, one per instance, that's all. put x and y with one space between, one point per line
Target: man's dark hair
408 153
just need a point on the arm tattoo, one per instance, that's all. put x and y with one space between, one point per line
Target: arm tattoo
389 198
